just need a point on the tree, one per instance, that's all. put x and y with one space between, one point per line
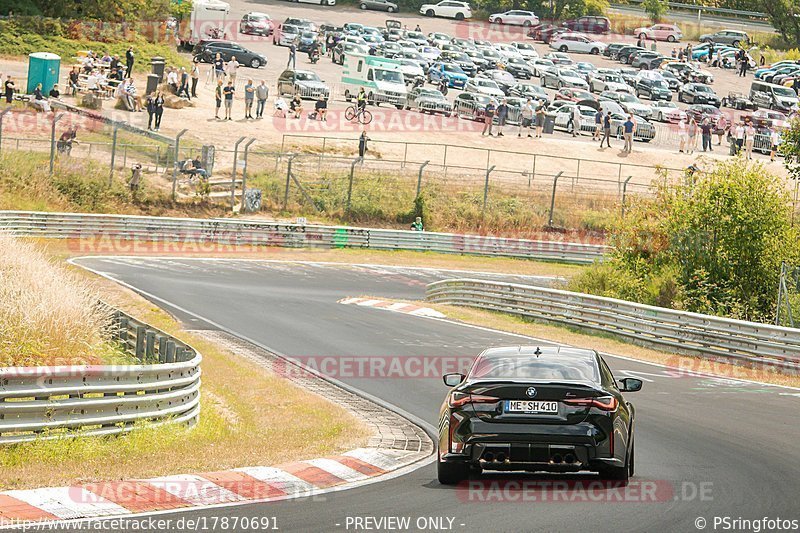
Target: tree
784 15
656 9
790 146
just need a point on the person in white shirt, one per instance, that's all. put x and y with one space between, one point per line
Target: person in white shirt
231 69
738 135
749 138
576 120
527 118
172 80
774 141
682 134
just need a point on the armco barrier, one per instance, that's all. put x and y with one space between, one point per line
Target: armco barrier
691 333
252 232
51 402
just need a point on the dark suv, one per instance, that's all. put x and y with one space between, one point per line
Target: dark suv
653 89
208 50
589 24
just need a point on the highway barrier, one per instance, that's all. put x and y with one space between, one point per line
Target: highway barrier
57 401
665 329
110 230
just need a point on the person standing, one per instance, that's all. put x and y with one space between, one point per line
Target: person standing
692 132
629 127
502 114
682 135
488 117
606 130
150 105
228 92
129 60
9 89
598 123
195 77
183 88
745 64
262 93
705 129
749 139
722 127
218 94
232 69
159 109
774 141
74 77
292 56
219 67
135 179
249 96
362 144
539 120
738 135
527 118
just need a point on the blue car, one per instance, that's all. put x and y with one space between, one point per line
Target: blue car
455 77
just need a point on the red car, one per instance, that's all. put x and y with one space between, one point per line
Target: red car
256 24
574 95
589 24
544 32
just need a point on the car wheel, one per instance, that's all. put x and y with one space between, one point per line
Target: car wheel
670 38
560 86
429 13
255 63
595 51
459 16
390 9
498 21
563 48
660 117
451 473
735 44
363 6
526 24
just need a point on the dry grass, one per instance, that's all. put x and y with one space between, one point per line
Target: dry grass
48 316
243 406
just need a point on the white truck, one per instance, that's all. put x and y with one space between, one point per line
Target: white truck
381 77
209 20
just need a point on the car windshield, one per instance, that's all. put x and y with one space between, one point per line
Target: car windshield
307 76
544 62
702 89
289 29
614 78
259 18
432 93
660 84
490 53
545 367
525 46
784 91
390 76
625 97
309 35
583 95
453 68
486 83
671 105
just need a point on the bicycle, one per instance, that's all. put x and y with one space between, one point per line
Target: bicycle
363 116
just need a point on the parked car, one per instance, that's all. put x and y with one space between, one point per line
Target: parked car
449 71
390 49
660 32
379 5
541 65
631 104
698 93
576 42
573 95
507 50
300 23
664 111
471 105
516 17
431 53
448 9
462 60
485 86
563 116
526 50
671 79
286 34
701 111
652 88
688 72
342 49
563 77
477 58
438 39
207 50
255 23
303 82
589 24
738 101
545 32
428 100
502 78
528 90
607 80
560 59
417 37
773 96
624 53
519 68
419 58
731 37
491 56
307 40
612 49
648 60
644 132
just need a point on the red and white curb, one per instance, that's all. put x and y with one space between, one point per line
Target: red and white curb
241 485
398 307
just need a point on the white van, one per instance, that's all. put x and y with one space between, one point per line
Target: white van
773 96
381 77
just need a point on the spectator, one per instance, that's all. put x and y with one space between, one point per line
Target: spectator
172 80
218 95
329 43
502 114
417 28
159 109
262 93
183 89
361 99
292 56
738 136
629 128
249 96
362 144
705 129
691 130
129 60
219 67
228 92
417 224
231 69
55 93
67 139
575 120
527 118
39 101
749 139
683 137
710 55
114 63
195 77
198 170
74 77
722 128
150 105
281 107
763 60
135 179
488 117
606 130
598 123
9 88
321 109
296 106
774 141
540 116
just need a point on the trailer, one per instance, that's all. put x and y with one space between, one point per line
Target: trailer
209 20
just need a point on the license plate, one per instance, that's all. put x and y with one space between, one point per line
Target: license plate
531 406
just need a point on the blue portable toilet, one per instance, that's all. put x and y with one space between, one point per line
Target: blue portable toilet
43 67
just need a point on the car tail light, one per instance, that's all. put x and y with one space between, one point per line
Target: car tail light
459 399
604 403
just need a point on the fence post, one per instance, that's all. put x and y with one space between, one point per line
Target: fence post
2 116
233 174
486 189
553 198
625 193
113 154
158 157
405 155
288 178
244 172
533 168
419 176
56 118
175 164
350 185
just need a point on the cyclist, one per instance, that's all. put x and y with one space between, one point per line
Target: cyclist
361 99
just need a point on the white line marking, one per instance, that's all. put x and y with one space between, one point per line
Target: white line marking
68 502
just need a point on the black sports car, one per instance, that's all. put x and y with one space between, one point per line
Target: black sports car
525 408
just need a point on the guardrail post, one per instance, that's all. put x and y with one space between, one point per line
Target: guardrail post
350 184
175 164
288 178
162 349
235 167
486 190
625 193
419 176
533 169
170 358
150 348
405 155
113 154
158 157
180 352
3 116
140 334
244 172
56 118
553 199
123 329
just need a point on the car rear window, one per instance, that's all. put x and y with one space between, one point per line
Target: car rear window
552 367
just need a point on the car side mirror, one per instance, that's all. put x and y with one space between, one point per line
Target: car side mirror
630 385
451 380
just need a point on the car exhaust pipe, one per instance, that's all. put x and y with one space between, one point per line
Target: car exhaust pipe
488 456
501 457
569 458
557 459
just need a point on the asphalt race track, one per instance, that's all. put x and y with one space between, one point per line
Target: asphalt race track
712 447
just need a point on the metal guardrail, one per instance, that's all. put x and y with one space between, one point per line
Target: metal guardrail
679 331
52 402
709 9
258 233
